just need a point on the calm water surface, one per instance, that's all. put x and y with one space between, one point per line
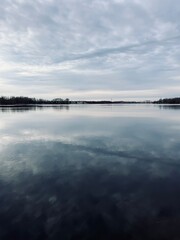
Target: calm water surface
90 172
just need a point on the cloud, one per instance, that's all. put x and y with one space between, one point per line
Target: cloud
94 45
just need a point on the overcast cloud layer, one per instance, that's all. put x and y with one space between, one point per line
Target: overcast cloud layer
90 49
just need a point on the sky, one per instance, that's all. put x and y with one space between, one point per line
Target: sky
90 49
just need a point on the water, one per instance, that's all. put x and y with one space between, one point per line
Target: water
90 172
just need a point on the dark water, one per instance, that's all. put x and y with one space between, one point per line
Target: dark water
90 172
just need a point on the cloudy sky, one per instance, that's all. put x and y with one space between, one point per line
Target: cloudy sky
90 49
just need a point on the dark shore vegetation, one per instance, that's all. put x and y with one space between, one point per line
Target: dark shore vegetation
28 101
169 101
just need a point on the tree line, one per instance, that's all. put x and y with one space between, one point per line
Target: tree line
168 101
26 100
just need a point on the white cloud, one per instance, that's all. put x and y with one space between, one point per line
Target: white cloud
90 45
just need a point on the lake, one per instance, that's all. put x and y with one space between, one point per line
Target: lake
90 172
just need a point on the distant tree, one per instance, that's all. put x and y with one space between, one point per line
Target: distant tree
66 100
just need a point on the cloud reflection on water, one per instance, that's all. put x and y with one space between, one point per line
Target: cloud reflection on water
74 176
